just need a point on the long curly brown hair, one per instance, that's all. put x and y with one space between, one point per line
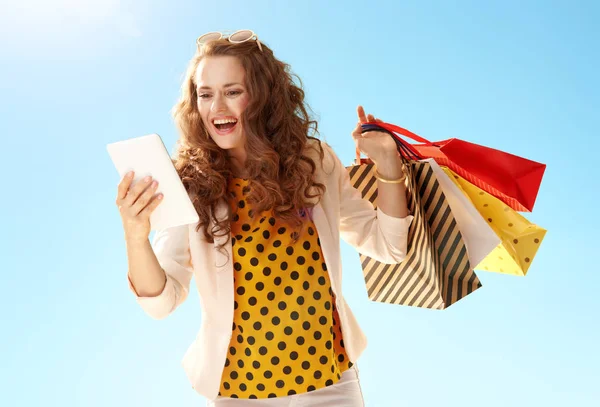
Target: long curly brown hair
276 124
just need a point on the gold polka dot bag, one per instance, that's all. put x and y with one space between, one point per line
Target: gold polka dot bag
521 239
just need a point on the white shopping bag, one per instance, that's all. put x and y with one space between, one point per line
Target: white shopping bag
480 239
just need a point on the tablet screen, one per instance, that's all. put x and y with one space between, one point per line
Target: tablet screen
147 155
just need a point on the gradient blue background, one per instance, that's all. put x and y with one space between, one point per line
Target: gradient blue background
521 76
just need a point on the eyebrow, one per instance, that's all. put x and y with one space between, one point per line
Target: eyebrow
225 86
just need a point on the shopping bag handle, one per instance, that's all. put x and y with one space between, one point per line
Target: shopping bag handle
405 149
400 130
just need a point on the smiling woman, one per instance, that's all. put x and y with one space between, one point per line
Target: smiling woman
241 111
273 203
221 103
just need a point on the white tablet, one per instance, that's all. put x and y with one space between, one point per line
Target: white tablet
147 155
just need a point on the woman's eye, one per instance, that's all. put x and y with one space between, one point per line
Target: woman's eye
232 93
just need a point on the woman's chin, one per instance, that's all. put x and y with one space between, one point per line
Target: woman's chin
228 142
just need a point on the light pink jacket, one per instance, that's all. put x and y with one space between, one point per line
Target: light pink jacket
182 253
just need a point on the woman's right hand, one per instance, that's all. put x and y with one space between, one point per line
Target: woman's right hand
135 206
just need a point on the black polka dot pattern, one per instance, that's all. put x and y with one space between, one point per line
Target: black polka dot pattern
286 336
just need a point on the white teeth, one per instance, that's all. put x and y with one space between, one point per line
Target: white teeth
223 121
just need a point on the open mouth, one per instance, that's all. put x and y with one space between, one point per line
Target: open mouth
225 126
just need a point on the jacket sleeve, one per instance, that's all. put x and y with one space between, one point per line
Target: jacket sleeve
370 231
171 247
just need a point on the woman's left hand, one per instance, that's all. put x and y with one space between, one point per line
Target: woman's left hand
376 145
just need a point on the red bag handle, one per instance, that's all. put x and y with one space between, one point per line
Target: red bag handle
400 130
397 129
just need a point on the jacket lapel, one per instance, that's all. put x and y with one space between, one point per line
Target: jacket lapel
223 256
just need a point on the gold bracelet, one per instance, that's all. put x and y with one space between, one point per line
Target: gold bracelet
390 181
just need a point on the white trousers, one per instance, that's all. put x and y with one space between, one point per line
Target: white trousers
345 393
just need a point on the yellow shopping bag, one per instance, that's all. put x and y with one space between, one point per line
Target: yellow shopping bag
520 238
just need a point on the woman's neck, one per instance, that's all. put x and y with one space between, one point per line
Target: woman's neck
239 172
237 161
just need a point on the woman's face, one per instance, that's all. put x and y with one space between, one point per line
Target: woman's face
222 96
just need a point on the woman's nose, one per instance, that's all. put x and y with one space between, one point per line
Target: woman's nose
217 104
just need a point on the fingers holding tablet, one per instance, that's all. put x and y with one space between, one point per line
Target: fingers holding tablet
136 203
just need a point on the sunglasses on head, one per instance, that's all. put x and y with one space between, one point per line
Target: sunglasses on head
236 38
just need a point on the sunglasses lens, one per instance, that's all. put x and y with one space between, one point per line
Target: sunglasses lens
209 37
241 36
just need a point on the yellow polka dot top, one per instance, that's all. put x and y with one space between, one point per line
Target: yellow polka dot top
286 334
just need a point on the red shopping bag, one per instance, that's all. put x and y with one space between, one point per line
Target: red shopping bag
512 179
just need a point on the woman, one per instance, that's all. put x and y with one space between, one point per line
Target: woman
273 202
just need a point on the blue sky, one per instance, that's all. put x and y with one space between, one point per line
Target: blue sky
520 76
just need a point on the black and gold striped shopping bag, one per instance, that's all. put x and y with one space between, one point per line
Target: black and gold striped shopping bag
436 272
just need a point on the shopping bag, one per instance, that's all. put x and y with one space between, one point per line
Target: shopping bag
521 239
512 179
436 271
479 238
